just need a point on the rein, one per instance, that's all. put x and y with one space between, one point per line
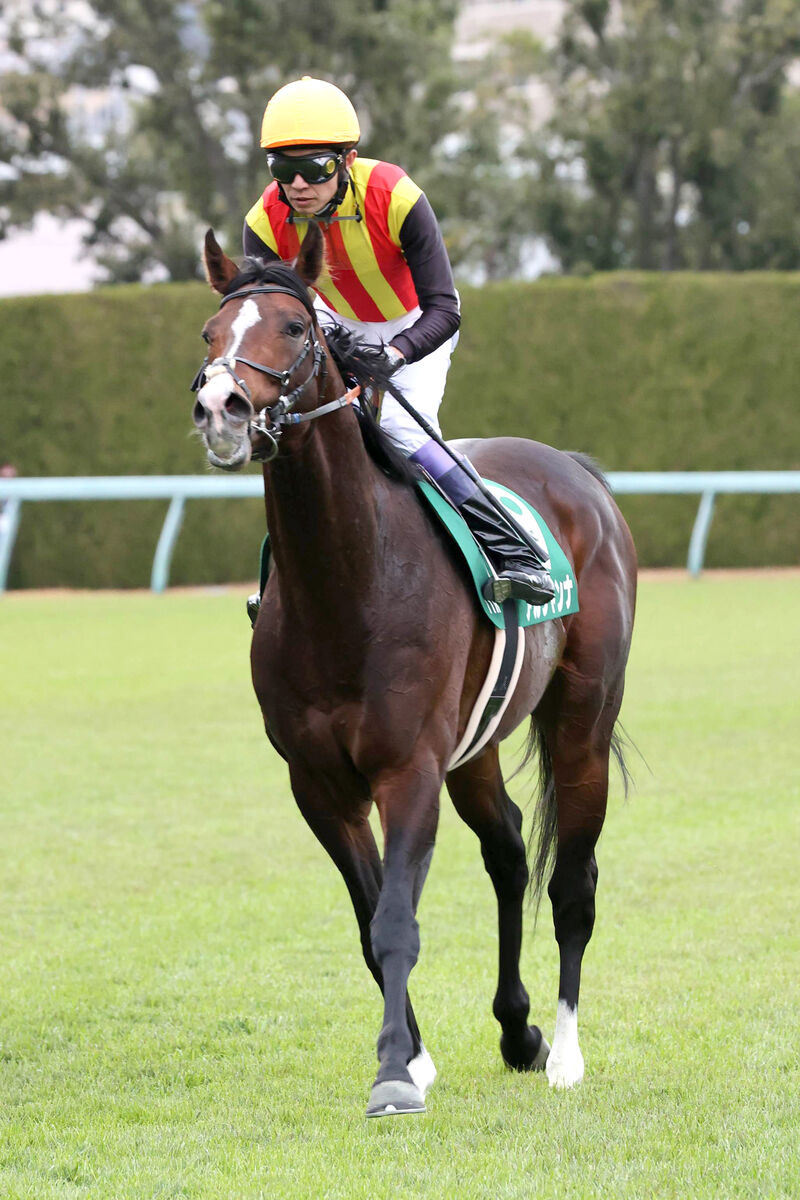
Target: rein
269 421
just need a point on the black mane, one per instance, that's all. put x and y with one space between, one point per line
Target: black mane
357 361
255 271
368 366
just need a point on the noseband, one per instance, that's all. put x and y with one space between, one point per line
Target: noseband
269 421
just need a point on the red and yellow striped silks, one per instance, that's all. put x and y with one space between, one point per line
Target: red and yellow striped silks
365 276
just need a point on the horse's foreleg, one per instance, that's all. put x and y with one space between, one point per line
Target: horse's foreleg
580 773
408 801
356 856
351 845
480 798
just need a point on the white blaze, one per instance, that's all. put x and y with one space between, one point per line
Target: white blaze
247 316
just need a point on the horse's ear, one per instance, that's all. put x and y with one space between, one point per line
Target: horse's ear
220 269
308 263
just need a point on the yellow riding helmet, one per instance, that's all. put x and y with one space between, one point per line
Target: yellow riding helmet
309 112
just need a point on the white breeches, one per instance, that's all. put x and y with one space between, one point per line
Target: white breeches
422 383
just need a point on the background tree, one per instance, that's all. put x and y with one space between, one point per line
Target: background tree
32 127
673 143
672 127
483 180
181 88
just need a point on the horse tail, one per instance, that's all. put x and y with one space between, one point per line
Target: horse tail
543 836
544 826
591 465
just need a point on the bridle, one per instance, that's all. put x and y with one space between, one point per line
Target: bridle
270 421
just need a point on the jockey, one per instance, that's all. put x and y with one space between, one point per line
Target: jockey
388 278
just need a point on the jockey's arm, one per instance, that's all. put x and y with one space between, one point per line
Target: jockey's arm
424 250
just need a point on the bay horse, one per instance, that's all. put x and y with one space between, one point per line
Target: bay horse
370 649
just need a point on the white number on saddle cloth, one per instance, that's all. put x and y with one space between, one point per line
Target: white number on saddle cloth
523 516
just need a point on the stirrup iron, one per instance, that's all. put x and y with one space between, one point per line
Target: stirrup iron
253 606
533 587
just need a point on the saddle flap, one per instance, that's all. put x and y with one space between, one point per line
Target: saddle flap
565 600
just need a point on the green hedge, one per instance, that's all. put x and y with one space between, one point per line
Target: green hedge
645 372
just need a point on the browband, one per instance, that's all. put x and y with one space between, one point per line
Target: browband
266 289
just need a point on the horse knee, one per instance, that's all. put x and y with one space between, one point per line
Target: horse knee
394 930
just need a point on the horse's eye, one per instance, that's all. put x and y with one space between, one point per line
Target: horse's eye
294 329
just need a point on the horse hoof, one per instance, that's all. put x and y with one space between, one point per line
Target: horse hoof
531 1055
395 1098
565 1072
422 1071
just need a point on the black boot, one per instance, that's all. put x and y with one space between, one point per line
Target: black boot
522 572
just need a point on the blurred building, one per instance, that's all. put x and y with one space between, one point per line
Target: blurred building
482 20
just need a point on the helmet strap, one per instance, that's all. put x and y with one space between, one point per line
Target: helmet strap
330 208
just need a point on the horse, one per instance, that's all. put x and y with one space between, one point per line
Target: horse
370 648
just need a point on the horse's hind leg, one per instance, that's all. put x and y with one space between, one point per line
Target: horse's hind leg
480 798
578 747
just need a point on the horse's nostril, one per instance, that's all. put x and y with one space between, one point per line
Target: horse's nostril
238 407
199 414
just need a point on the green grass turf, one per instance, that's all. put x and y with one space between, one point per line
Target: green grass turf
183 1006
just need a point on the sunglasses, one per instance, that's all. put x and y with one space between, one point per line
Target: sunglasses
314 168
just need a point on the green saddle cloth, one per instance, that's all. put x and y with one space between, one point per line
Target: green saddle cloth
565 600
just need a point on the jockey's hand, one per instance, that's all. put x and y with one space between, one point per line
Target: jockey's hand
393 357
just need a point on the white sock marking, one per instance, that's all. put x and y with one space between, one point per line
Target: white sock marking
422 1071
565 1061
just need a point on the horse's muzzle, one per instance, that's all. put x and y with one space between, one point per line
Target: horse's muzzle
223 415
218 402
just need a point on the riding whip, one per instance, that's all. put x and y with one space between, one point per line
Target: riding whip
466 466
